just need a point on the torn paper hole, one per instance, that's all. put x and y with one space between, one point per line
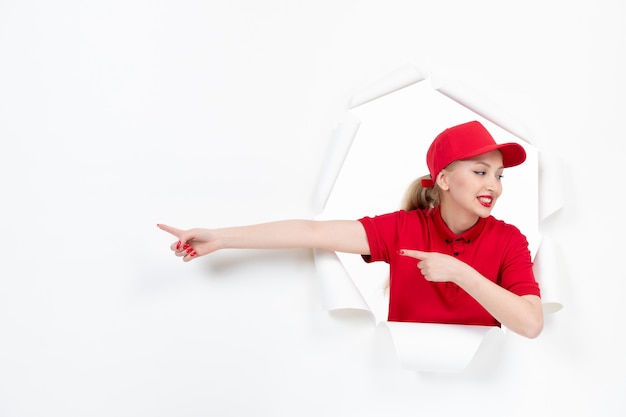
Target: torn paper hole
376 151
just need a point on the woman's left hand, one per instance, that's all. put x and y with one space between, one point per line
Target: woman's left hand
437 267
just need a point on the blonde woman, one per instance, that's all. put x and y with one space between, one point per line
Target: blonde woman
450 260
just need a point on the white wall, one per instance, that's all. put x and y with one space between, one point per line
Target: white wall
117 115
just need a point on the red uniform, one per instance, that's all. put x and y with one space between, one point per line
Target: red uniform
497 250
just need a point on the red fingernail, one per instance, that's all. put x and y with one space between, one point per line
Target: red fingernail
178 245
189 250
186 246
401 252
193 254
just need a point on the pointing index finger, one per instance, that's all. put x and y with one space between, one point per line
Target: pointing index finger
171 230
417 254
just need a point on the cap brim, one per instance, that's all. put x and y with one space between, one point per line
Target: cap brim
513 154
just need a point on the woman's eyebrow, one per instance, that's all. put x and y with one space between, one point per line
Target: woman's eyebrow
487 164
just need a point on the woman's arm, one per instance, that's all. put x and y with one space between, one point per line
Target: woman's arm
521 314
334 235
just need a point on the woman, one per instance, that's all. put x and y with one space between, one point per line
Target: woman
450 260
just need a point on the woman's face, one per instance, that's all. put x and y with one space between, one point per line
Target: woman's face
471 188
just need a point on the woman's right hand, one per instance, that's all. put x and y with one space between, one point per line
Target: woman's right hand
191 243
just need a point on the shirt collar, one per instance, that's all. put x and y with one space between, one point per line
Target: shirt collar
444 231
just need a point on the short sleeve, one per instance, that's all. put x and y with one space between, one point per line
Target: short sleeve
517 273
381 234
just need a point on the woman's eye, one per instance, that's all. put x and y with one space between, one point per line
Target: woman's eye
479 172
500 176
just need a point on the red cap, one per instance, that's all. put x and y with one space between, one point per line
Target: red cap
466 141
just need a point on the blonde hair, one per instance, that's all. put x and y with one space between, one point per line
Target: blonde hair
419 197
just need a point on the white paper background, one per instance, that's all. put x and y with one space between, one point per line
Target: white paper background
117 115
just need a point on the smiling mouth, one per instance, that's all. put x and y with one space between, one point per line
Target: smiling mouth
485 201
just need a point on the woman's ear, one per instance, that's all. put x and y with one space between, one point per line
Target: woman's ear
442 180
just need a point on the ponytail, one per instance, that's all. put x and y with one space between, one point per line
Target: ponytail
420 197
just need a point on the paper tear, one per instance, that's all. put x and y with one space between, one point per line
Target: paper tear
336 153
547 269
480 105
402 77
551 195
431 347
338 288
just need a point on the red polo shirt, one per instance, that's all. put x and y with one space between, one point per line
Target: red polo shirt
497 250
